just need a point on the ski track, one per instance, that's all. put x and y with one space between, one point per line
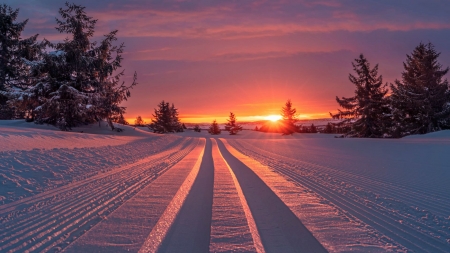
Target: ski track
127 228
25 173
279 229
191 229
52 220
230 228
393 210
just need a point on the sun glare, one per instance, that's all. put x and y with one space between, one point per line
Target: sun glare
273 117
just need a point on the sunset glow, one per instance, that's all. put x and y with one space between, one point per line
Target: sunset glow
273 117
250 57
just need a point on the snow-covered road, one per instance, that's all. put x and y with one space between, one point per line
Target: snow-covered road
248 193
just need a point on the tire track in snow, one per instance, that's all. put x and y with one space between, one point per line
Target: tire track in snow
69 212
413 233
279 228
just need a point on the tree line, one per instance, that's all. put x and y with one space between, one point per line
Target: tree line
65 84
419 103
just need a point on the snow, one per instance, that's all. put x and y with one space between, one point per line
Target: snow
93 189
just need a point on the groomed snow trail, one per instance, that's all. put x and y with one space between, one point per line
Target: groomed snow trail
191 229
397 213
324 221
279 229
232 227
127 228
53 219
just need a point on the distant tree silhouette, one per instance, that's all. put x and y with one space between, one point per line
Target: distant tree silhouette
165 119
421 100
313 129
232 127
288 114
139 121
197 128
329 128
214 128
367 111
256 128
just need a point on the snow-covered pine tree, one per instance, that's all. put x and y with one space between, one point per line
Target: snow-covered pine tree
111 92
367 112
289 117
14 53
214 128
421 100
74 84
231 126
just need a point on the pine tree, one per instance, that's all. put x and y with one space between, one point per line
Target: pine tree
367 111
175 121
328 128
313 129
232 127
75 84
197 128
288 114
14 53
214 128
138 121
421 100
165 119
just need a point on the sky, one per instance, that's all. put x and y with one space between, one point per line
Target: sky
211 58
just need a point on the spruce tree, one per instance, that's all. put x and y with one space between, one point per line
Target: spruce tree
231 126
214 128
15 52
367 112
138 121
313 129
76 83
288 114
165 119
197 128
420 101
175 121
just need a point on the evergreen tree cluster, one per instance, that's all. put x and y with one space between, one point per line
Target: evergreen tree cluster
65 84
165 119
418 104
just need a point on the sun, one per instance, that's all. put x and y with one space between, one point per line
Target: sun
273 117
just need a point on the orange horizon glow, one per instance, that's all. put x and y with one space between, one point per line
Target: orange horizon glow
220 120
